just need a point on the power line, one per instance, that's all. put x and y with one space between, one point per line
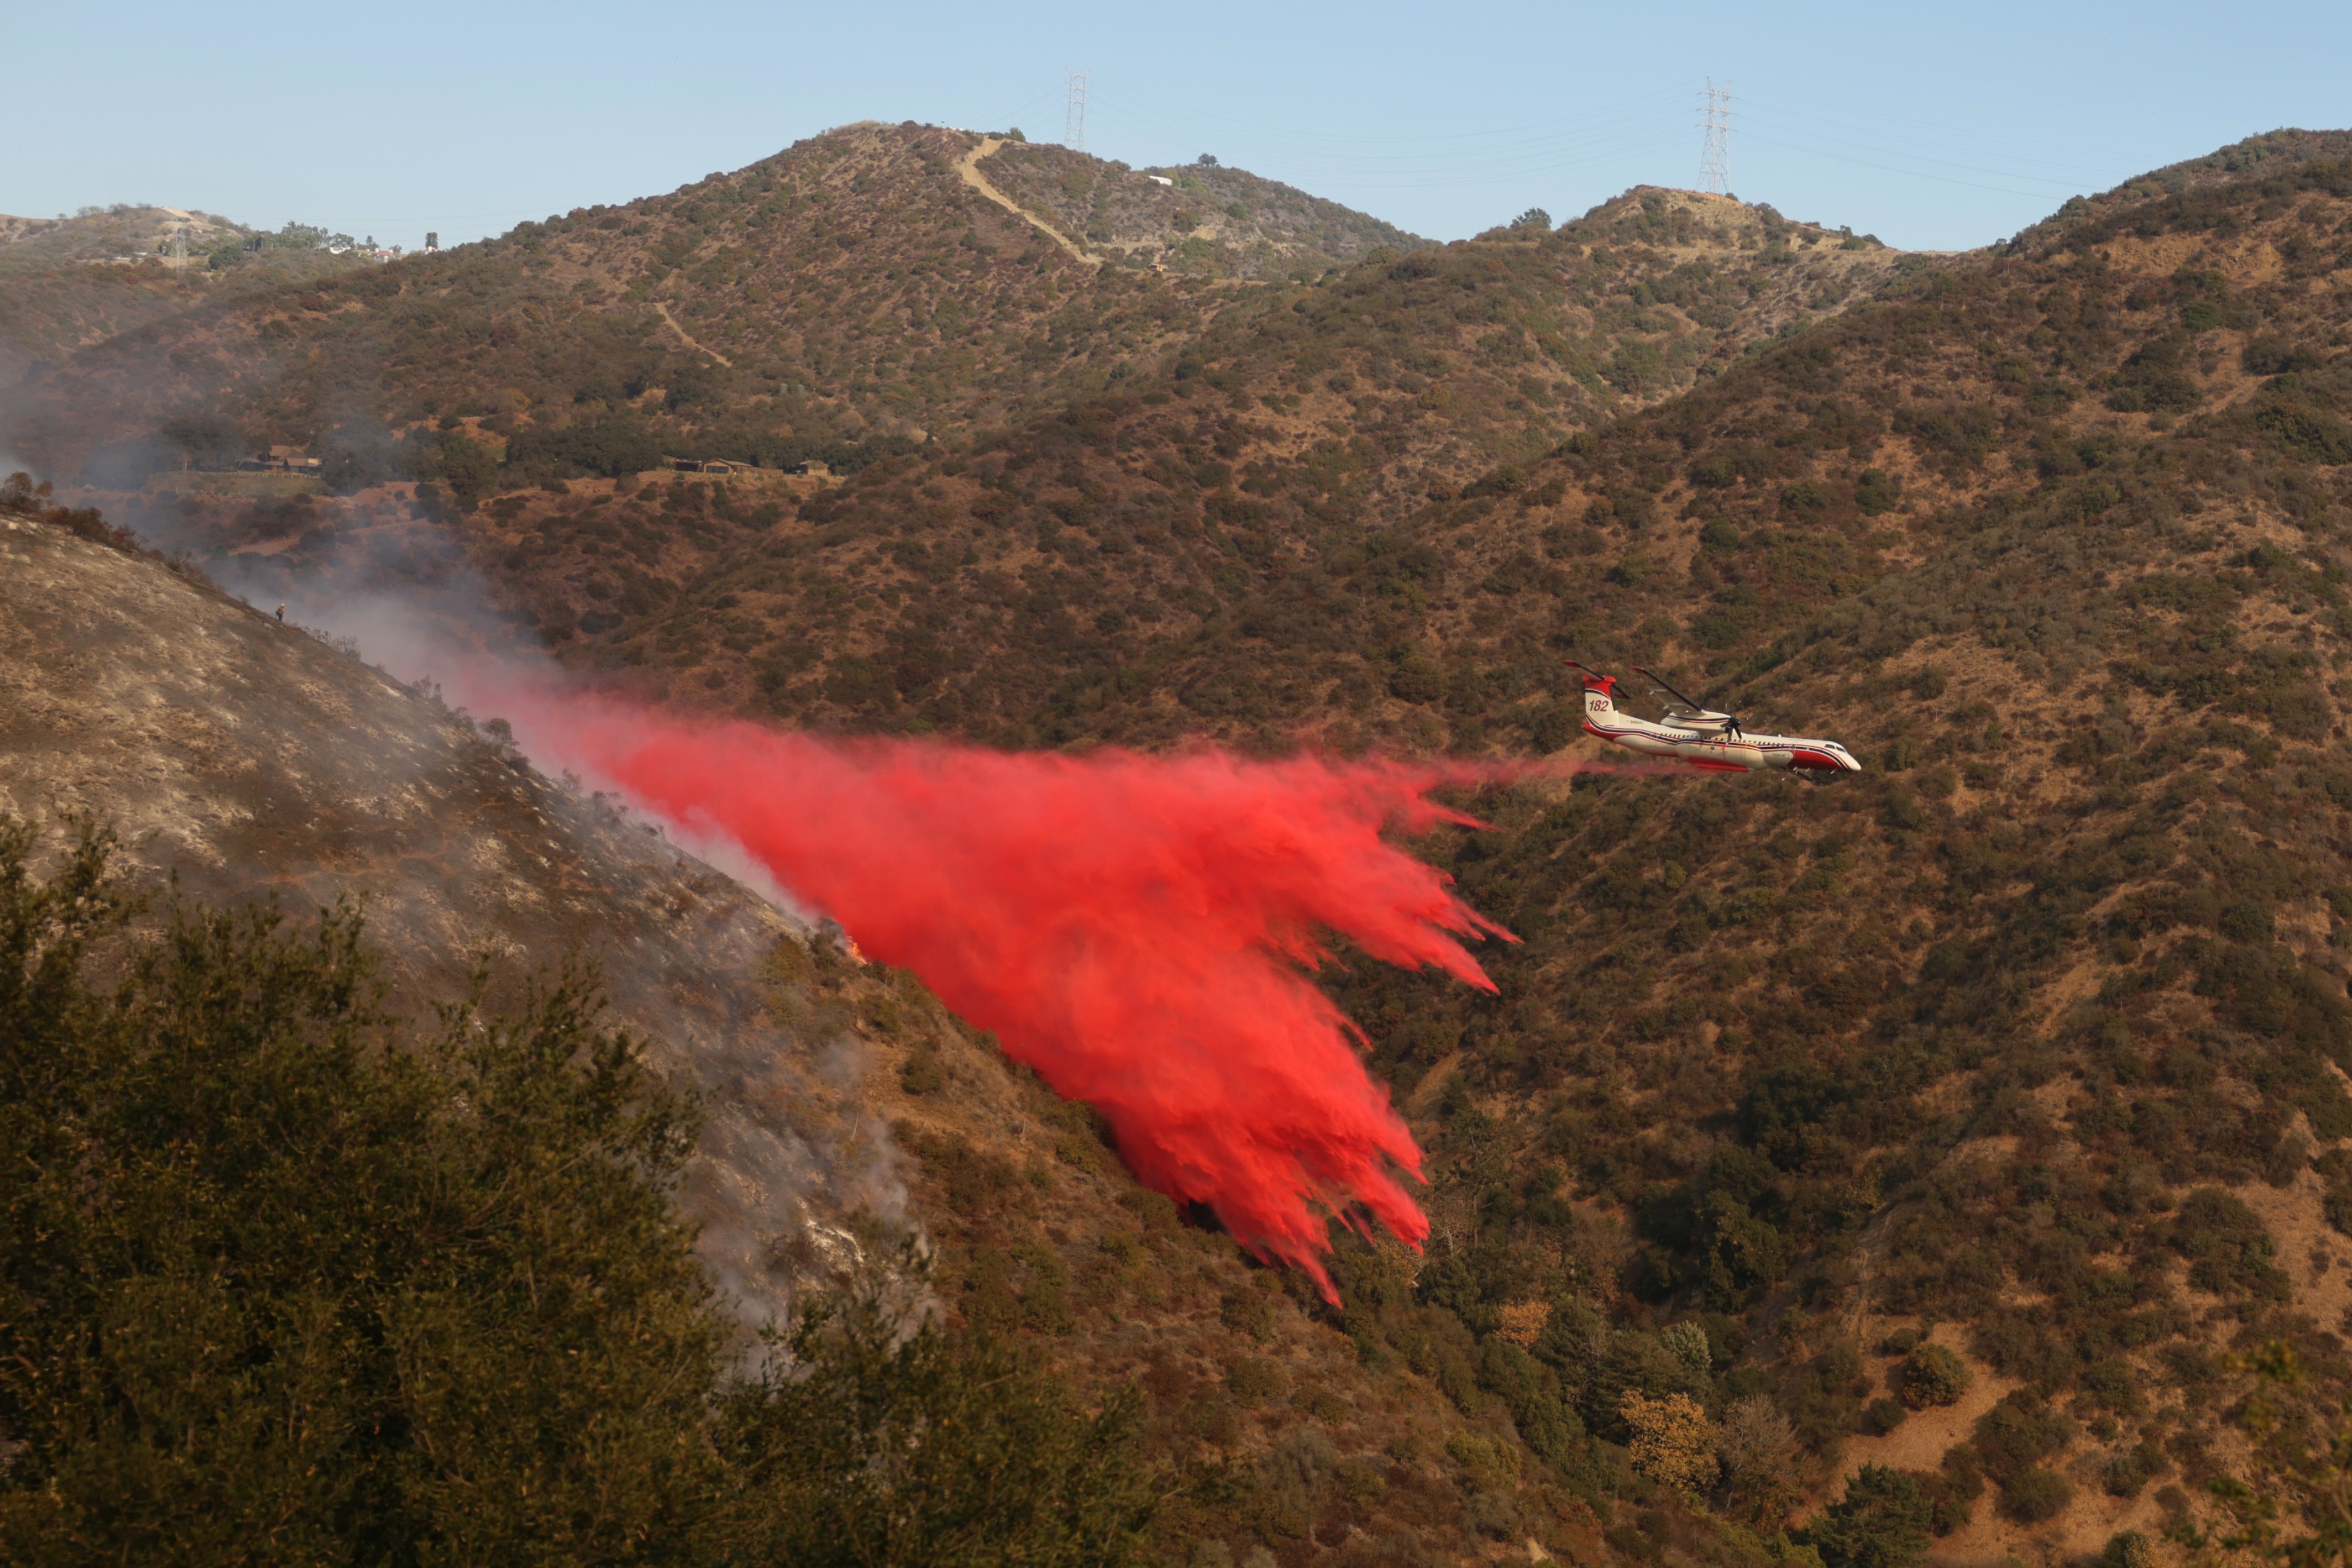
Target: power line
1008 117
1275 152
1907 174
1074 132
1152 114
1715 158
2071 177
1882 131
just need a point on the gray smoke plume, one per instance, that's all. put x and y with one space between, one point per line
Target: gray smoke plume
241 754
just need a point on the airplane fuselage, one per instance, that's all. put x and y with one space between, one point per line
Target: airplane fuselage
1715 750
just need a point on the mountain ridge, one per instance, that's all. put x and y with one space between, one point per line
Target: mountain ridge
774 244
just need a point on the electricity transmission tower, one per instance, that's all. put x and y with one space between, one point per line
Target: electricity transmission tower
1073 132
1715 162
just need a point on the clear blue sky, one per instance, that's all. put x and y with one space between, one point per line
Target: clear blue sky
1936 126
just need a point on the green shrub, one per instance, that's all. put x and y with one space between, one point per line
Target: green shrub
1490 1464
922 1073
1933 1375
2228 1249
2017 1433
1951 1495
1255 1380
1877 491
2035 1495
2130 1472
1883 1520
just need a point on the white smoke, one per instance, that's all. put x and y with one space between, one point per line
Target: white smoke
792 1164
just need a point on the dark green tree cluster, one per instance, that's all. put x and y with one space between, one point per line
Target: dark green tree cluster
867 1450
277 1282
1883 1520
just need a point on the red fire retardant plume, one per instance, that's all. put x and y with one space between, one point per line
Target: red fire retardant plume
1133 927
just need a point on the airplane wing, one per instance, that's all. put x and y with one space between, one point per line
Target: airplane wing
1684 712
1677 705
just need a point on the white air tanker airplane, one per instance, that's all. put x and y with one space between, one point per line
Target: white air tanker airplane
1703 738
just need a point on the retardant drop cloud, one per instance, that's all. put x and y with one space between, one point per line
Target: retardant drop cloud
1134 927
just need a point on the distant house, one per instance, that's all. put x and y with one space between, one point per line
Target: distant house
281 460
708 465
812 468
1160 179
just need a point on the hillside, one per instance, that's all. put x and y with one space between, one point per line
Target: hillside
2036 1031
72 283
852 287
2031 1042
848 299
47 314
107 234
2269 154
2041 1032
1135 534
1207 220
247 758
1297 411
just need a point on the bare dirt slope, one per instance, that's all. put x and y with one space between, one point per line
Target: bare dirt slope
968 171
1203 220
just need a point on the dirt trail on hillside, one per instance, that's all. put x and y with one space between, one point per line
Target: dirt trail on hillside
967 170
687 338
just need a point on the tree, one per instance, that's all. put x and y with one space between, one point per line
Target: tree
864 1446
608 445
264 1273
469 469
1883 1521
1534 218
1762 1459
204 439
1673 1441
278 1282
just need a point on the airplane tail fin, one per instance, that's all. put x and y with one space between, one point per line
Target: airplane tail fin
1600 693
1593 680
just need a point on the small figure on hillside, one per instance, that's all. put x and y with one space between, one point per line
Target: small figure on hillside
281 612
